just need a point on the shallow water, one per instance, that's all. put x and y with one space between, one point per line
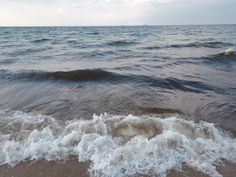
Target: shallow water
70 73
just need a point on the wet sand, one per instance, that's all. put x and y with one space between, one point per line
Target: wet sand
61 168
73 168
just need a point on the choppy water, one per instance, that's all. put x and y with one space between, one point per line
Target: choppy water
70 73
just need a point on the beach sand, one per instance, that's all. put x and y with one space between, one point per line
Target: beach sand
60 168
73 168
226 170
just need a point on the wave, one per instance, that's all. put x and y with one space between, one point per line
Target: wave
220 59
176 84
100 75
26 51
116 145
81 75
120 43
41 40
75 75
93 33
223 56
152 47
215 44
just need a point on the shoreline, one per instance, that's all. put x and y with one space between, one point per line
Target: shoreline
73 168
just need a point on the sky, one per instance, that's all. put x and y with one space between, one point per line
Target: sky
116 12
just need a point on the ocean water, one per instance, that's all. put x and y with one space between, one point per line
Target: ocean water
132 100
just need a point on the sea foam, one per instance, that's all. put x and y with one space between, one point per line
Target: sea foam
116 145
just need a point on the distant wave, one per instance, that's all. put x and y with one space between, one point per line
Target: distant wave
120 43
27 51
215 44
41 40
93 33
152 47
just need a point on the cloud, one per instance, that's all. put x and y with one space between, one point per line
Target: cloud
60 10
115 12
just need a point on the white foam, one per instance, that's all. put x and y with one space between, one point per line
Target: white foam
117 145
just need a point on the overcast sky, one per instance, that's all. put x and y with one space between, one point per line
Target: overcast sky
116 12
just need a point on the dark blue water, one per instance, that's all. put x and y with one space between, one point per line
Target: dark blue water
74 72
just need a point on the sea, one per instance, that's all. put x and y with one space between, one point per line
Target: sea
130 100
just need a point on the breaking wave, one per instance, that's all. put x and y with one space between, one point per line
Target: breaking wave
116 145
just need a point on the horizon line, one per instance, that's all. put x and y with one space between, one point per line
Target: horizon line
18 26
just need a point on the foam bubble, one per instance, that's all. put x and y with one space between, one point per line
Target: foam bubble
116 145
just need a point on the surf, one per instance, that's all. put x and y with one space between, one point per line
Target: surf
117 145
